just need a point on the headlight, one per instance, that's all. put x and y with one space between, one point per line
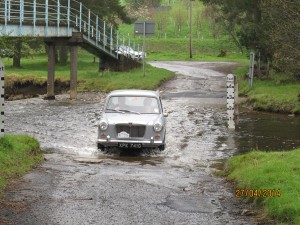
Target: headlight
157 127
103 125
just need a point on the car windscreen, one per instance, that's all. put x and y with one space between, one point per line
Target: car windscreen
135 104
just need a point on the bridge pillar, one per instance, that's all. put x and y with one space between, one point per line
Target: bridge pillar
73 73
51 70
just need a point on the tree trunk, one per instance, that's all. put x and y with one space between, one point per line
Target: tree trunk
17 54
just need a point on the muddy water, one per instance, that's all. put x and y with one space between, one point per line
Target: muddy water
80 185
266 131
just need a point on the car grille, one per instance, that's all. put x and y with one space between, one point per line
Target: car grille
135 131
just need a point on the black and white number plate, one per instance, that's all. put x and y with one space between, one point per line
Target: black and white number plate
129 145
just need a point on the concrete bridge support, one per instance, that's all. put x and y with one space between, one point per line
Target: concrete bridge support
106 62
73 42
73 69
122 64
51 71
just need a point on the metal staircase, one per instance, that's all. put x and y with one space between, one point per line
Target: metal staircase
52 19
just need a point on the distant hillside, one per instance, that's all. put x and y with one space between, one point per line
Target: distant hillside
172 35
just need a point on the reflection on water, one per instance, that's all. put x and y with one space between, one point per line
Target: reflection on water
139 156
265 131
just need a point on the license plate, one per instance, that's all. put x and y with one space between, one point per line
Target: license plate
129 145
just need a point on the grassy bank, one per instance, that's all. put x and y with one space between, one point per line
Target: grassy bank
278 93
259 173
89 79
18 154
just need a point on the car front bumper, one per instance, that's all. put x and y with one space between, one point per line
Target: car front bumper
110 142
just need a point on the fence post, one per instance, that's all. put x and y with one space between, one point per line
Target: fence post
111 39
69 8
34 17
104 36
2 98
58 17
21 15
5 16
251 68
46 17
89 24
80 17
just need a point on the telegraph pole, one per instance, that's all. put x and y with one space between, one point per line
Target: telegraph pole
191 52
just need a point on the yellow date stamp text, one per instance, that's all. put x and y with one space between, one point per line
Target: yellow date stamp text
257 193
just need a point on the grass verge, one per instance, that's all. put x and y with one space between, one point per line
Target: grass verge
34 71
278 93
262 172
18 154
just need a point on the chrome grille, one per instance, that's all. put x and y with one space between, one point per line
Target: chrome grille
134 131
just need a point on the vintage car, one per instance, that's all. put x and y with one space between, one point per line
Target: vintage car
126 50
132 119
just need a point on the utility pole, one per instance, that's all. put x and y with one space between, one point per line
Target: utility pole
144 48
191 52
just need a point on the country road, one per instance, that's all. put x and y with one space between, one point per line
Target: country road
77 184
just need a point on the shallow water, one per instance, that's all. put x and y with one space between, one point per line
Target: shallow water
267 132
79 184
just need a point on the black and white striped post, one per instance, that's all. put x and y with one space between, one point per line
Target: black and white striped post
232 95
2 98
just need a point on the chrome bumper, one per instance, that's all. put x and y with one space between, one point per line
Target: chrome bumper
114 142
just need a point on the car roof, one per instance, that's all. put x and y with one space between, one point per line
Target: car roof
134 92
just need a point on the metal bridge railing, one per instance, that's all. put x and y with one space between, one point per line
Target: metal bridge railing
52 14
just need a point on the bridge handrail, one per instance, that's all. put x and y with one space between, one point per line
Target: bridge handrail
75 15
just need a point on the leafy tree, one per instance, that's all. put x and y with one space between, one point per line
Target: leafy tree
197 19
281 33
161 22
136 4
179 16
271 27
20 47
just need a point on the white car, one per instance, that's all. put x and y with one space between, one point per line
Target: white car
126 50
132 119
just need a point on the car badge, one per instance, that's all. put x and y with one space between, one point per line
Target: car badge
130 123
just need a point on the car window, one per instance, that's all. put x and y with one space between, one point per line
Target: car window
139 104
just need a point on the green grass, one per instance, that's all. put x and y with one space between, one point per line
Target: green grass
204 49
18 154
279 93
89 78
175 45
133 79
273 170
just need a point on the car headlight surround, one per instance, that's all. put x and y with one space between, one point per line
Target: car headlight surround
157 127
103 125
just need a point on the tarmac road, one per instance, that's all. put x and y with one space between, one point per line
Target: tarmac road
79 185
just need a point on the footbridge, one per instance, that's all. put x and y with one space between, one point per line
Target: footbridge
70 24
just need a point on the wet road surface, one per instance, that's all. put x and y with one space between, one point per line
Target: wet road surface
77 184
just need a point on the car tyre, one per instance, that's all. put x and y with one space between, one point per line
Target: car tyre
162 147
100 147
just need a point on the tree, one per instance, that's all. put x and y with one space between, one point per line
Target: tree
282 30
20 47
161 22
136 4
197 19
179 16
272 27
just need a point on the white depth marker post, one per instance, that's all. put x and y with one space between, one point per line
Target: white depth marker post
1 99
230 100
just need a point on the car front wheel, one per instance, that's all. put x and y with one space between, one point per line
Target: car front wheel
162 147
100 147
